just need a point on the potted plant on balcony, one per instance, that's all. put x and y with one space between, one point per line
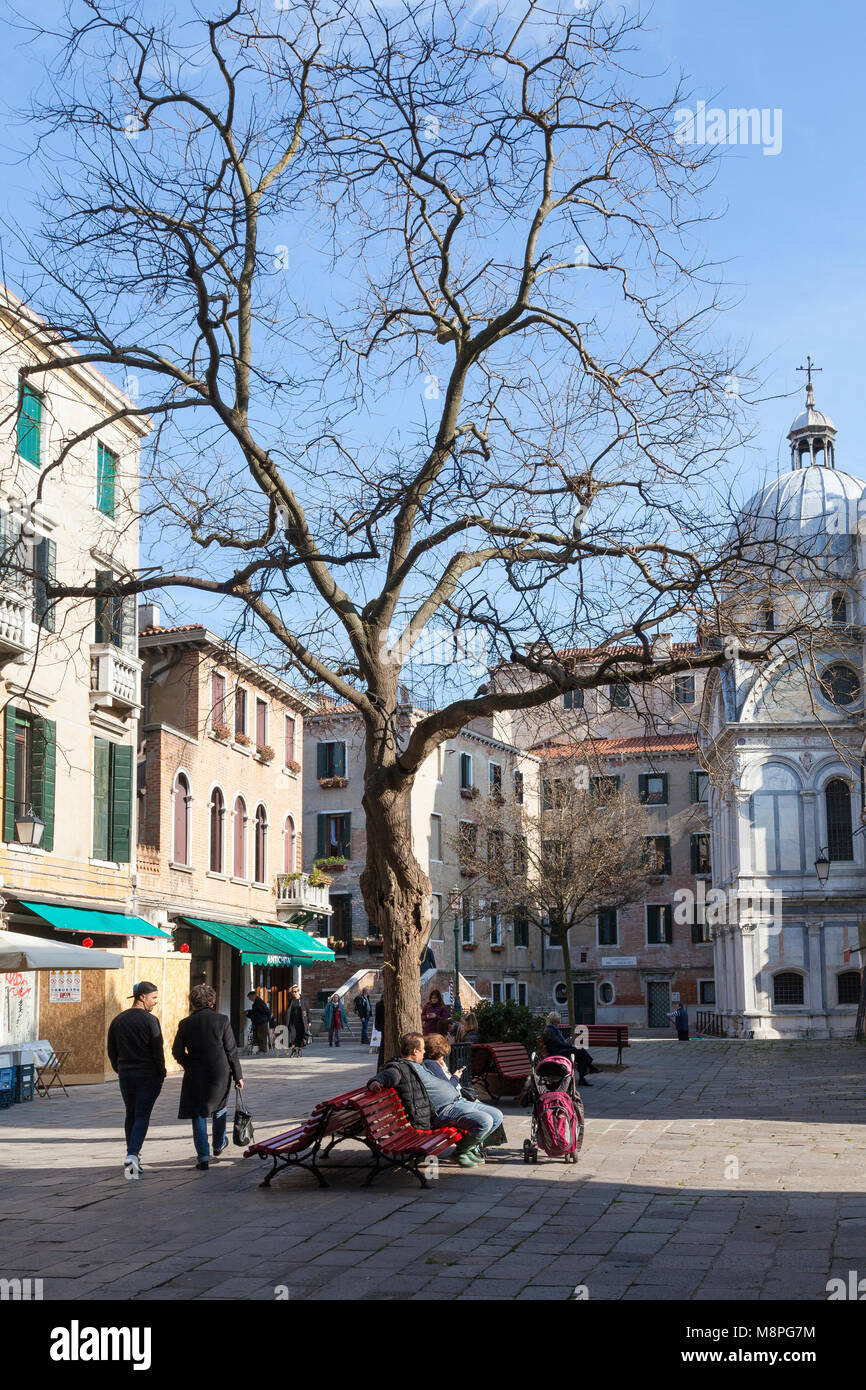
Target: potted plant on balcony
335 943
265 752
320 880
222 732
332 783
333 864
469 793
292 766
468 945
243 739
497 948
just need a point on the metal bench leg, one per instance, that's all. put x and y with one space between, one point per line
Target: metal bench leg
272 1174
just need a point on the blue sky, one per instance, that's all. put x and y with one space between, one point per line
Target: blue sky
791 233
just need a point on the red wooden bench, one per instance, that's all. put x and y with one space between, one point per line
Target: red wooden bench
500 1067
608 1035
373 1118
390 1136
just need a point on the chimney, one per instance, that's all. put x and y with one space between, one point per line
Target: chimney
661 646
148 615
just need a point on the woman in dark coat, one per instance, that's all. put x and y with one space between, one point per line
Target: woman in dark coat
206 1049
295 1022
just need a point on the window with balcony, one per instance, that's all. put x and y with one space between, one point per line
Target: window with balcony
112 801
29 427
30 761
116 618
106 479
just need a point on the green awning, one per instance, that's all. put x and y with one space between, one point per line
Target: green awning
260 945
312 948
82 919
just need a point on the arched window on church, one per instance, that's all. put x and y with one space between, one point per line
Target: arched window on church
787 988
840 836
839 609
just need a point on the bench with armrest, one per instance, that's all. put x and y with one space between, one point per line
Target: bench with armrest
373 1118
608 1035
502 1068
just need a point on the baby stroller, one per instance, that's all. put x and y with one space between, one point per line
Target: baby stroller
557 1110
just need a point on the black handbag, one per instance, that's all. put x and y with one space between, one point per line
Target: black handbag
468 1092
243 1132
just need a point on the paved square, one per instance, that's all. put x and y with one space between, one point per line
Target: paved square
730 1170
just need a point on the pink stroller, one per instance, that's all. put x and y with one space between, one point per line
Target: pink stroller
557 1111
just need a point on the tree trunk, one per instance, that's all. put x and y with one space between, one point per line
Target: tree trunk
396 894
566 971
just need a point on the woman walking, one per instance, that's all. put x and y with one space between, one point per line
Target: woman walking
335 1019
295 1022
206 1049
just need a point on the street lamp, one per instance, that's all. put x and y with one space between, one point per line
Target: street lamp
822 867
29 828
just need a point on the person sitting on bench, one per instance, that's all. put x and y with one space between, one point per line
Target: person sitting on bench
559 1045
400 1075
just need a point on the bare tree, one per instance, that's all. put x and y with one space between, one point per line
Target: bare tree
584 850
414 298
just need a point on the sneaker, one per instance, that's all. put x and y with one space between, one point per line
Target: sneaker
222 1148
132 1166
466 1161
201 1164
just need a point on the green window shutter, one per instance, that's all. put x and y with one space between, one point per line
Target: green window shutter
9 782
128 612
339 759
30 425
101 768
693 786
45 569
44 772
104 608
321 762
106 474
665 788
346 837
121 803
321 835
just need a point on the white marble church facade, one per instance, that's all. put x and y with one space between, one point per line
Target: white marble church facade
783 741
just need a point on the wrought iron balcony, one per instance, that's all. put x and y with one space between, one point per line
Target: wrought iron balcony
299 899
115 678
16 625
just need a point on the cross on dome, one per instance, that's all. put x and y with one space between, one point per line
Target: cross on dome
813 433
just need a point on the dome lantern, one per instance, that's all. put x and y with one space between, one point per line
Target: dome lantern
812 434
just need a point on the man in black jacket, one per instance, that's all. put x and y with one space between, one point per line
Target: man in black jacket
260 1016
406 1082
135 1052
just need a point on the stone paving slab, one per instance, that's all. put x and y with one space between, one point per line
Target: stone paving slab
729 1170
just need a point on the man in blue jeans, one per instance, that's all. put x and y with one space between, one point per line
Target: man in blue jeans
449 1107
135 1051
364 1010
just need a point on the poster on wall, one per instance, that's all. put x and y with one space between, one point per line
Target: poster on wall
64 986
18 1006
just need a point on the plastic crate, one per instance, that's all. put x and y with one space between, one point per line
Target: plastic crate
7 1087
25 1077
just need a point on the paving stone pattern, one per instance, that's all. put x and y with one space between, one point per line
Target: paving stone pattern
710 1170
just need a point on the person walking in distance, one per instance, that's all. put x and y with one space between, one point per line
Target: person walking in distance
259 1015
335 1019
364 1010
680 1016
205 1047
135 1051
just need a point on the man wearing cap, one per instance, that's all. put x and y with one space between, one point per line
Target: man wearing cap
136 1053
